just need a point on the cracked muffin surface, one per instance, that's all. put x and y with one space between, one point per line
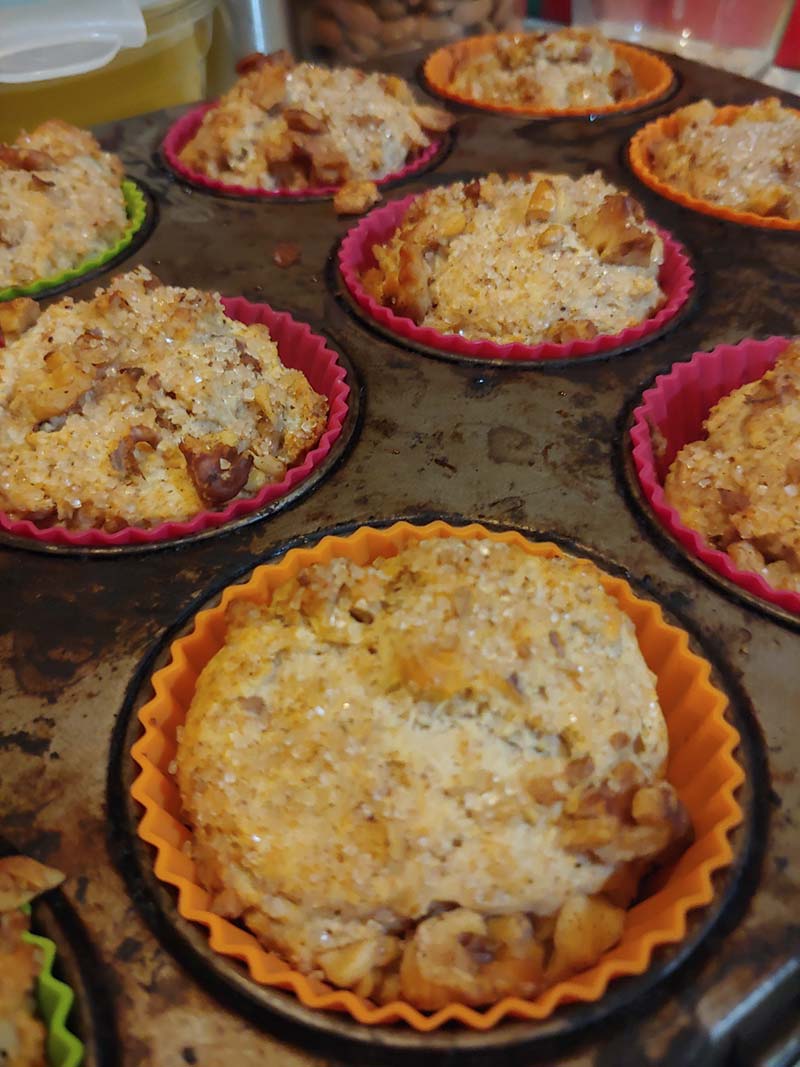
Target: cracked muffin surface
740 486
746 161
61 202
143 405
543 257
570 68
433 777
289 126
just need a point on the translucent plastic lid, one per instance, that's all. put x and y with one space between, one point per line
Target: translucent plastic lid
42 39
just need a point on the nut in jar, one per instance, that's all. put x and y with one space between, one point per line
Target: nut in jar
354 31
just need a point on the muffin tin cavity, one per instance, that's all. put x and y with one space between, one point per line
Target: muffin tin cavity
257 983
328 372
142 209
187 126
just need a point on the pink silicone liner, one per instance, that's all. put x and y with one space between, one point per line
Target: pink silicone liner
299 349
675 406
182 131
355 255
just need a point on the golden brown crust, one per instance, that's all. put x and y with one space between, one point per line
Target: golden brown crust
747 160
468 745
354 198
570 68
61 201
143 405
22 1036
22 879
290 126
525 259
16 316
740 486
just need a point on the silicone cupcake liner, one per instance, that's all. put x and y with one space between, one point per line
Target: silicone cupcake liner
676 279
136 209
181 132
54 1001
701 767
640 160
299 349
675 408
653 76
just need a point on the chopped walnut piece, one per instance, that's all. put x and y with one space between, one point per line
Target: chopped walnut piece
259 60
124 458
18 315
286 254
433 119
616 233
218 474
304 121
22 879
562 332
542 202
354 198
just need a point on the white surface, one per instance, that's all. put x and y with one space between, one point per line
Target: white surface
41 39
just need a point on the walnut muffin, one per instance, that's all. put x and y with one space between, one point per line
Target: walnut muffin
566 69
527 259
61 202
22 1034
289 126
143 405
434 777
740 486
748 161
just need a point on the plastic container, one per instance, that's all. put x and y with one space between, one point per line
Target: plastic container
168 68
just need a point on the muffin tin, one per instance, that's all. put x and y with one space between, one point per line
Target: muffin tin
543 449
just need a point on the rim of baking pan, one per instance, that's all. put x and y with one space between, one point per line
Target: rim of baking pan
282 1013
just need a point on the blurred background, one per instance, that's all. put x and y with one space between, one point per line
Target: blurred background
90 61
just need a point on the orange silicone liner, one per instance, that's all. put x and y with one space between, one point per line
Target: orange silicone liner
701 767
667 126
653 76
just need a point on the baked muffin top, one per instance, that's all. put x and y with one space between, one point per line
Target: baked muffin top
740 486
528 259
748 161
289 126
145 404
22 1034
570 68
61 202
461 728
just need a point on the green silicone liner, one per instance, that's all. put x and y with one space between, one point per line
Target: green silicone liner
54 1000
136 209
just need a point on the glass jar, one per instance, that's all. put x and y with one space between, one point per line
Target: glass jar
356 31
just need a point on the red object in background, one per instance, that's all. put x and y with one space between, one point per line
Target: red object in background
789 51
556 10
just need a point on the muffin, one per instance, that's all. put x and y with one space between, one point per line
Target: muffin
571 68
543 257
22 1034
291 126
143 405
436 777
740 486
744 159
61 202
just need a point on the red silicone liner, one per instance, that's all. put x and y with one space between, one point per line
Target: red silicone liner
181 132
676 278
299 349
675 406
